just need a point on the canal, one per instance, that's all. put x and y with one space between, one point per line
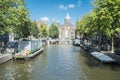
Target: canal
59 62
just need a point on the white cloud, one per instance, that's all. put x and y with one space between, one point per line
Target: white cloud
65 7
45 19
71 5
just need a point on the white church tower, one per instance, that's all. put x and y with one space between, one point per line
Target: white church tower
67 29
67 19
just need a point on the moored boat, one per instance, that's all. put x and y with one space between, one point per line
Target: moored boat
28 49
24 55
102 57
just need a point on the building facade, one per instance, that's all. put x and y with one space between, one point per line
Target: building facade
67 30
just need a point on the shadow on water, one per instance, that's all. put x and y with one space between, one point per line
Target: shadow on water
93 62
95 70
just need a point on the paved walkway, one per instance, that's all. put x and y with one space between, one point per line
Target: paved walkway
6 56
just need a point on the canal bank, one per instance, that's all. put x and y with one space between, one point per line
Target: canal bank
59 62
5 57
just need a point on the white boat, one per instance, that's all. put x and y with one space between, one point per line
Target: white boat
102 57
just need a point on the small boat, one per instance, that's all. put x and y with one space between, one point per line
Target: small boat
102 57
28 49
25 56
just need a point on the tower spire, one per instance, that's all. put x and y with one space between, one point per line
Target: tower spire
67 19
67 16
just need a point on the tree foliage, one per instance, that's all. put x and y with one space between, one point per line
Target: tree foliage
108 14
14 17
53 31
103 19
34 31
43 30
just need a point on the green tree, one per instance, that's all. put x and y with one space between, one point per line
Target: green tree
104 19
34 31
84 26
108 17
24 30
53 31
13 17
22 20
4 16
43 30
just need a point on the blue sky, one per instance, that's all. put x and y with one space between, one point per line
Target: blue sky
47 9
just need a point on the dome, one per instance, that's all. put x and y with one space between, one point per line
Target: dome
67 17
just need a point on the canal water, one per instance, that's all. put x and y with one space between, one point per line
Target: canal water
59 62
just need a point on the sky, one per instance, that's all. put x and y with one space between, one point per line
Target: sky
46 10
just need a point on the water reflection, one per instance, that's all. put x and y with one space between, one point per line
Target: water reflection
60 62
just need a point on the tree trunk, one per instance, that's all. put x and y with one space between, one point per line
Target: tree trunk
112 44
99 40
